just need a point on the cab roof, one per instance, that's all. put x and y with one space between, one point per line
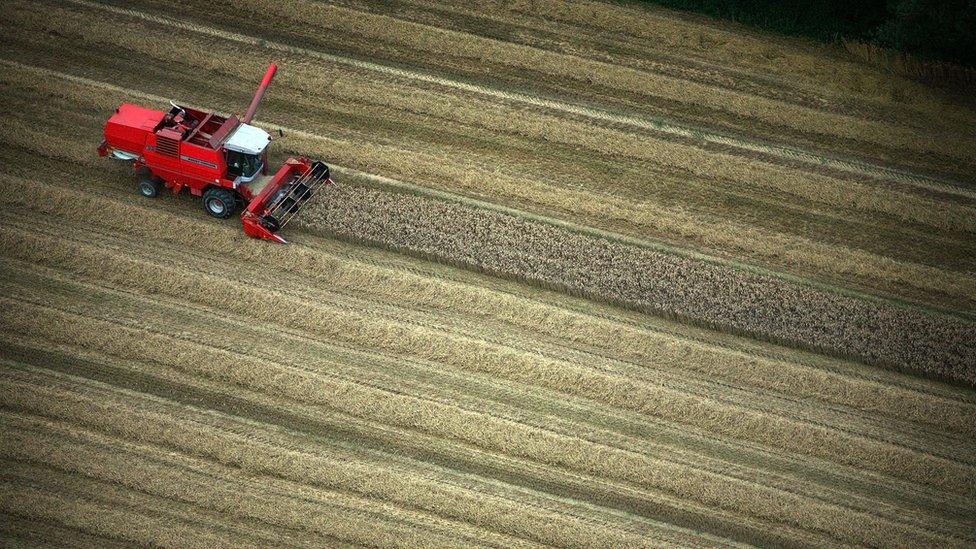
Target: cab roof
247 139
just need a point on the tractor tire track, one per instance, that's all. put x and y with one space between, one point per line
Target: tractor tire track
787 484
785 406
383 182
215 275
645 123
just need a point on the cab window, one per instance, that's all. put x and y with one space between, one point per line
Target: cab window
243 164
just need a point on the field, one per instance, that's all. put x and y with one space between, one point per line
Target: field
593 275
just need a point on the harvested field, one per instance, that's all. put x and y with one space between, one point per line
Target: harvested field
710 202
641 281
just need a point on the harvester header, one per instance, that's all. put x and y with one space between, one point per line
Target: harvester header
223 160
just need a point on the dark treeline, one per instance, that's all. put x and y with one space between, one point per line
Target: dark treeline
935 29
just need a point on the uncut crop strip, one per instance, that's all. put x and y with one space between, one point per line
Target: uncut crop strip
420 37
649 281
871 270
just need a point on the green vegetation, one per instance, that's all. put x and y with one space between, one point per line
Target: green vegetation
935 29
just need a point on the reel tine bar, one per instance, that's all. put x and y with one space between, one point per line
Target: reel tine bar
300 191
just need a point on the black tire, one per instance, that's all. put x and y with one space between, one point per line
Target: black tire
220 202
149 188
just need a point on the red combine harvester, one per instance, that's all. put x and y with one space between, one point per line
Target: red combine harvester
222 159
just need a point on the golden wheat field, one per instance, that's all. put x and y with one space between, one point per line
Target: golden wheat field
593 275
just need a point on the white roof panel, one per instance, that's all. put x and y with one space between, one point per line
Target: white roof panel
248 139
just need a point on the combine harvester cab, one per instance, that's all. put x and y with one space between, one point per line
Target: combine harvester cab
224 160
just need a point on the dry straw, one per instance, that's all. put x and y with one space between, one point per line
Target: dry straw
936 72
711 295
902 266
750 508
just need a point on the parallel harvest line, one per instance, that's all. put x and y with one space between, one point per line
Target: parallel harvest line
684 392
652 124
723 393
383 181
540 474
279 436
862 507
41 432
21 476
499 488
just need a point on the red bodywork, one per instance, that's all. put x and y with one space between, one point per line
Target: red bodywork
185 149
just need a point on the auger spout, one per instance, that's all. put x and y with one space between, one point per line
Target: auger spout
259 95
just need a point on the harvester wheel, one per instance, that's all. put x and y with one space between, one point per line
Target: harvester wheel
149 188
219 202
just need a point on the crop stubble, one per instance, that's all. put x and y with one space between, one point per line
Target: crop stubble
395 359
132 277
641 217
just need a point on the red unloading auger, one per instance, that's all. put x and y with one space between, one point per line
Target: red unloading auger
259 95
290 189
